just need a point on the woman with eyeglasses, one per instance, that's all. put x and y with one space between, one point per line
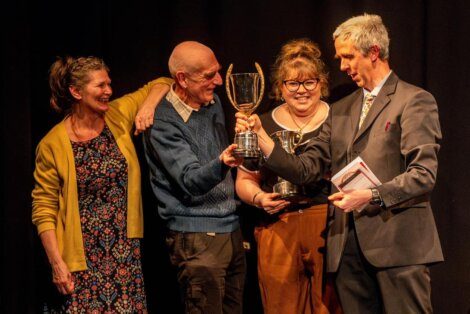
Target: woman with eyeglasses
289 235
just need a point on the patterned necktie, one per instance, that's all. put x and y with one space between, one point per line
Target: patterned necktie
365 107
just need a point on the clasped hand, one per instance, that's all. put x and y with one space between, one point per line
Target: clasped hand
62 278
245 123
228 158
144 119
271 203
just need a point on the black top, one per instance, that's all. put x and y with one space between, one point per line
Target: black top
317 192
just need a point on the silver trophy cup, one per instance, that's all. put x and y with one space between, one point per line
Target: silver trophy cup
245 91
289 140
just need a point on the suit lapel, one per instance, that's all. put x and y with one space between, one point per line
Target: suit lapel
380 102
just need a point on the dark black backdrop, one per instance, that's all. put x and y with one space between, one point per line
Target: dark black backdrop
429 48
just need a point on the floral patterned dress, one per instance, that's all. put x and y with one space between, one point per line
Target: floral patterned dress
113 282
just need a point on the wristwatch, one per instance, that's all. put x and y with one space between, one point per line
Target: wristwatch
376 199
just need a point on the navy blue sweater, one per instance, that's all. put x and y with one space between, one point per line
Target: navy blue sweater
194 189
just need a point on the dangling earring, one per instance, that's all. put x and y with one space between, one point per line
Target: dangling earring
282 99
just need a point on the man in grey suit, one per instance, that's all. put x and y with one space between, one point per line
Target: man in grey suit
381 254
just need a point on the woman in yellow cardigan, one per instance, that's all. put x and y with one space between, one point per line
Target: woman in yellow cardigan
86 200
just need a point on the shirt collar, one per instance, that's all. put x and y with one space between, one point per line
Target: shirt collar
183 109
377 89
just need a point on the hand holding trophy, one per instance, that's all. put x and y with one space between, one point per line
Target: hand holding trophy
245 91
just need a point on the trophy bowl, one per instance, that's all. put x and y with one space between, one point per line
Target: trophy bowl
289 140
245 91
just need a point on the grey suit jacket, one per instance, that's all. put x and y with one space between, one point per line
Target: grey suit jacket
399 142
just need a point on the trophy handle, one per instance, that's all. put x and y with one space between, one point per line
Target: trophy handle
261 75
227 85
299 138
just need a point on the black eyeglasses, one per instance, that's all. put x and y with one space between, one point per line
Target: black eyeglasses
293 86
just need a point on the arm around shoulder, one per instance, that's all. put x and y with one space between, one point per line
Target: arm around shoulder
145 116
129 104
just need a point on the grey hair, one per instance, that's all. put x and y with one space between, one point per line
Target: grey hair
365 31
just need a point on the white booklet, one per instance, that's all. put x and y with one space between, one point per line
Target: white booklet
355 176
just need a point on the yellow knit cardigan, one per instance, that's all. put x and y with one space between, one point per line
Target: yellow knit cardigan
55 196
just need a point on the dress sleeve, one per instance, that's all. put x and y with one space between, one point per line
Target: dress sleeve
307 167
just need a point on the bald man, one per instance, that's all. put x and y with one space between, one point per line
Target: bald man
189 159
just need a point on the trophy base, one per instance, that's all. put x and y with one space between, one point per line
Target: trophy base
247 154
247 145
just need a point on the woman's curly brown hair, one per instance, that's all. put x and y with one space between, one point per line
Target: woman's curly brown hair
302 56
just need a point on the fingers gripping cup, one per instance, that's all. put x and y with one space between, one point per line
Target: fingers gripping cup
245 91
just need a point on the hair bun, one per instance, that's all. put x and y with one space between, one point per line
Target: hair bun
300 48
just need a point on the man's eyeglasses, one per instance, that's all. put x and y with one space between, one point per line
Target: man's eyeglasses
293 86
